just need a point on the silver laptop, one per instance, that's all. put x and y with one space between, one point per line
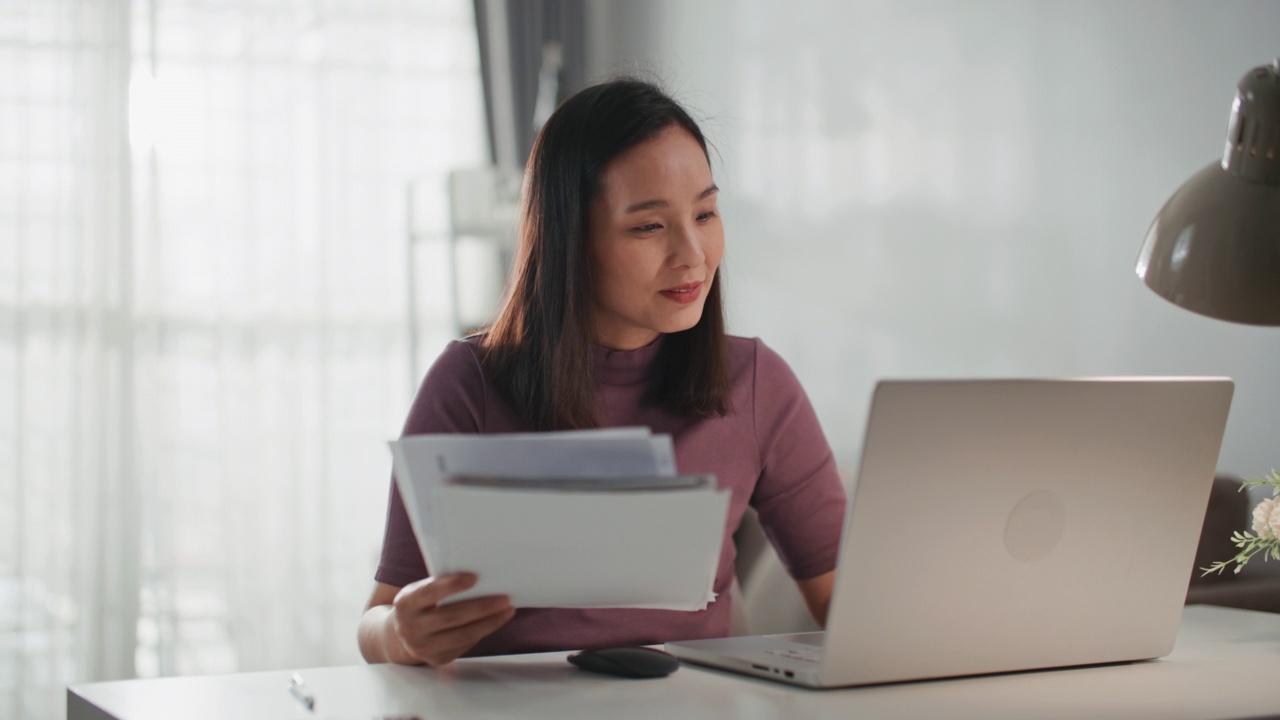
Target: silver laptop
1004 525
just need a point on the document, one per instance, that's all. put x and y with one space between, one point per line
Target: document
584 519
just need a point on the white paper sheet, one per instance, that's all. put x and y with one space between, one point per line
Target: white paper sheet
656 549
429 459
558 547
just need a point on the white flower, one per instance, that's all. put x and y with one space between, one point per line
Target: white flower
1266 519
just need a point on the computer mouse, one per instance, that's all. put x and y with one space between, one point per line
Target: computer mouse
629 662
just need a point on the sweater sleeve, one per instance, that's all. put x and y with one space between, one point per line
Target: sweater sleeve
451 399
798 496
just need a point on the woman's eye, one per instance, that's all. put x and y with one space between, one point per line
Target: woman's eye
651 227
706 215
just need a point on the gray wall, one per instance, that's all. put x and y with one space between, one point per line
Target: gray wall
943 189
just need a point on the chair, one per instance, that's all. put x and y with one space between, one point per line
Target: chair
1257 586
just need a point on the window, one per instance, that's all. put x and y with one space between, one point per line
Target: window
203 252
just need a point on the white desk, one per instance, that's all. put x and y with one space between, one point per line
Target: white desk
1226 664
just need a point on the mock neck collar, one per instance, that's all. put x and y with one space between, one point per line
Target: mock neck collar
625 367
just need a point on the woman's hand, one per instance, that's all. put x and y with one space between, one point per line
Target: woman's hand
416 628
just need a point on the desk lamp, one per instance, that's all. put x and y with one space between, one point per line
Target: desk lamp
1214 248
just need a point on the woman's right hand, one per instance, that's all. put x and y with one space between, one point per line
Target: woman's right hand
437 634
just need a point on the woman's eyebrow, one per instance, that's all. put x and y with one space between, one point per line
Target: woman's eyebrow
660 203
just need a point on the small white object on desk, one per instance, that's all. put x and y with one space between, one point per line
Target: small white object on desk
298 689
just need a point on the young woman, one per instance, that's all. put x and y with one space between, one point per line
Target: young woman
613 318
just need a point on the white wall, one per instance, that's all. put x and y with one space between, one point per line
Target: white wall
942 189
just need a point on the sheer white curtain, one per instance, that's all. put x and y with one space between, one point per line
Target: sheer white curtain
202 321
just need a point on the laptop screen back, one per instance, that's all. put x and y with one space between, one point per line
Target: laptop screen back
1011 524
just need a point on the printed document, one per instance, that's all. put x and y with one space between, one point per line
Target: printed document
591 518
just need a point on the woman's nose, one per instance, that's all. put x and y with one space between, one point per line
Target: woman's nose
686 250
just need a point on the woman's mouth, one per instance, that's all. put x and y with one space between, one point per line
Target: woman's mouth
683 294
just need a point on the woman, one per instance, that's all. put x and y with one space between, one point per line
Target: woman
613 318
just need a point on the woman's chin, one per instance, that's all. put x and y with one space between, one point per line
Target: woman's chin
680 324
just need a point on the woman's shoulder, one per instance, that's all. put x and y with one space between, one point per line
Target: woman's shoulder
760 372
452 395
459 358
752 353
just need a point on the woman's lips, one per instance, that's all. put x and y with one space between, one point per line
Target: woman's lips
686 293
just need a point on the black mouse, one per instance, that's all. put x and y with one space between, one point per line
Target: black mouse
630 662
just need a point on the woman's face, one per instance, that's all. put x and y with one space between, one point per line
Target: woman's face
655 241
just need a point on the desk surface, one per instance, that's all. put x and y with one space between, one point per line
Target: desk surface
1225 664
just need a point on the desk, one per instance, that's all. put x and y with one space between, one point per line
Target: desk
1225 664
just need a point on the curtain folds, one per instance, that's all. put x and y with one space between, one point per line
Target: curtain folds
515 36
69 565
203 321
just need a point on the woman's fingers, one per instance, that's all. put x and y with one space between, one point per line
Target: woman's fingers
441 618
446 646
438 634
423 594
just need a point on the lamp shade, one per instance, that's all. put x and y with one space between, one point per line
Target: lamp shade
1214 248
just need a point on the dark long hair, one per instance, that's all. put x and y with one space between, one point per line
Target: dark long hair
538 351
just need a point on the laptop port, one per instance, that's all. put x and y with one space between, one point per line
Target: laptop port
789 674
760 667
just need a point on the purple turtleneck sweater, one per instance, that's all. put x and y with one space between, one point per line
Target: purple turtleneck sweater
768 450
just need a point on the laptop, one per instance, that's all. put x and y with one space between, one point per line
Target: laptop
1008 525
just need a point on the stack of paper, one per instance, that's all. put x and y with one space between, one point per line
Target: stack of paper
592 518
